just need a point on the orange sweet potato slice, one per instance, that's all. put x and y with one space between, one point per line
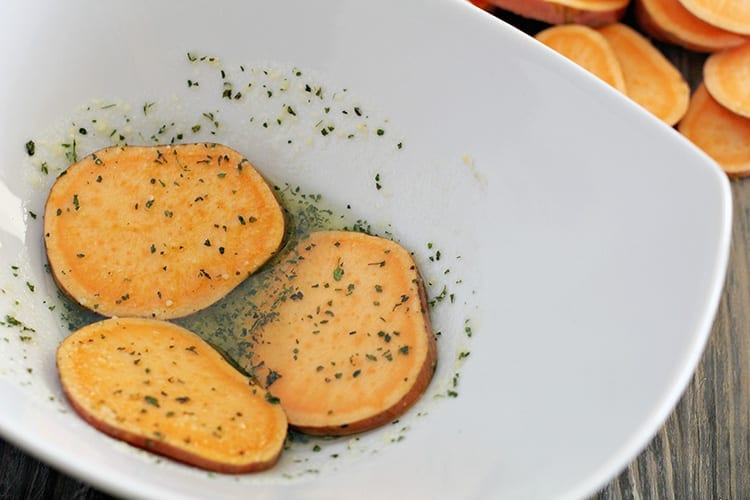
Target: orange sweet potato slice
651 80
588 12
588 48
722 134
351 346
159 231
727 78
669 21
160 387
731 15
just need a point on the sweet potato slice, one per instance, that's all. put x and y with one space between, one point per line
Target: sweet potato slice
350 346
160 387
731 15
652 81
669 21
588 48
723 135
727 78
159 231
588 12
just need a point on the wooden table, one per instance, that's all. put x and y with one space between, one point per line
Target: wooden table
702 451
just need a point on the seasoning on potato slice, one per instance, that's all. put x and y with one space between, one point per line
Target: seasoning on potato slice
159 231
727 78
160 387
347 344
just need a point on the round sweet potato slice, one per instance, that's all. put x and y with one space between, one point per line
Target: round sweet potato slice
731 15
722 134
669 21
727 78
159 231
349 345
651 79
588 48
160 387
588 12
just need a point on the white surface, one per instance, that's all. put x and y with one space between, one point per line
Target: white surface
593 240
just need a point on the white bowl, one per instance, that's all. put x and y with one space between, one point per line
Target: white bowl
581 243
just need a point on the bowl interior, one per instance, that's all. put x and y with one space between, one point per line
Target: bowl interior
573 246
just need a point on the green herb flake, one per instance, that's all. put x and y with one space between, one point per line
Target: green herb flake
272 377
12 321
151 401
272 399
338 272
30 148
467 328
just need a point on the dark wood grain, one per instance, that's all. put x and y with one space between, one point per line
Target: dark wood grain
702 451
22 477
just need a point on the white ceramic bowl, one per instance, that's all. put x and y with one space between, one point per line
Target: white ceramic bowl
581 243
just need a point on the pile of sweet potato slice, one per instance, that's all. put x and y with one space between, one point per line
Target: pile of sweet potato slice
716 117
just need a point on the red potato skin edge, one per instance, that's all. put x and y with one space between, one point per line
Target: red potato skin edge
389 414
166 450
558 14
